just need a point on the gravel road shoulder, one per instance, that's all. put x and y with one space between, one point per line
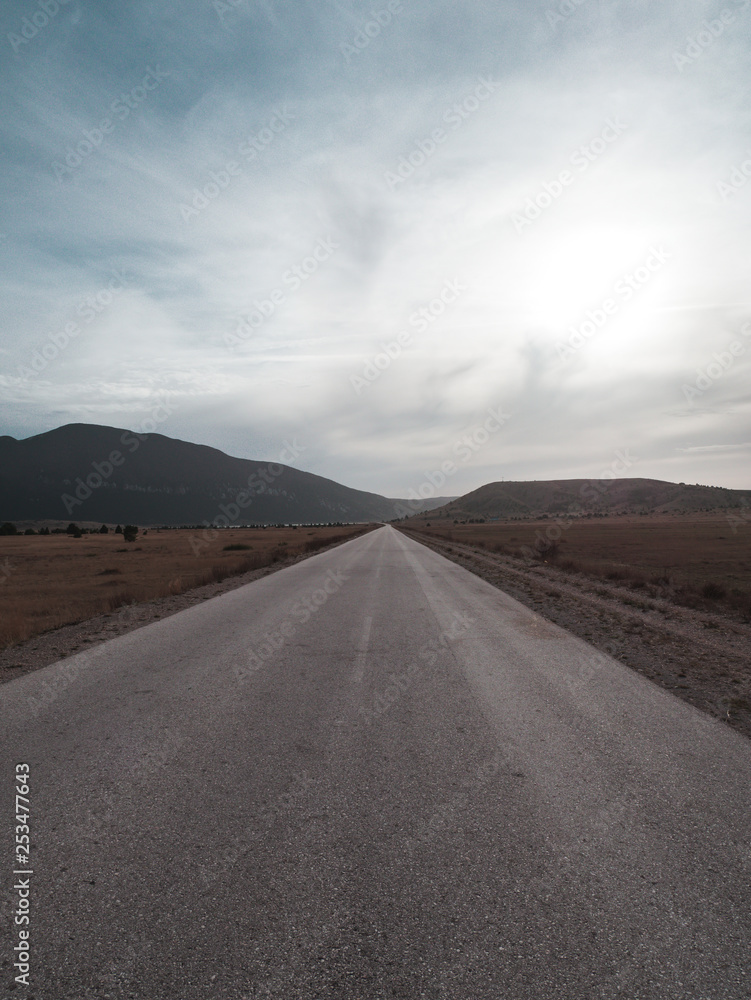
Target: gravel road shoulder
703 658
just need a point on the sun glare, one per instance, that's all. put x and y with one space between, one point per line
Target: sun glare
576 273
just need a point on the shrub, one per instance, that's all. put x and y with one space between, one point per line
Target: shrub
547 552
129 532
8 529
121 598
713 591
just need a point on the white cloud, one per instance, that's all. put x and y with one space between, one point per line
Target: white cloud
322 176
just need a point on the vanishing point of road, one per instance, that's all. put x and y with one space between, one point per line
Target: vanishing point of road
373 775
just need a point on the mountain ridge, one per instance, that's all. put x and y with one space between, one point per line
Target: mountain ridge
99 473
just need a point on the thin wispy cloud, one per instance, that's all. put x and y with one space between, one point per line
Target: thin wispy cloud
286 189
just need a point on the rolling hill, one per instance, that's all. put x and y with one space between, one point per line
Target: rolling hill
87 472
588 496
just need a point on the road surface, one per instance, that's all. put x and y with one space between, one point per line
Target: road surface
372 774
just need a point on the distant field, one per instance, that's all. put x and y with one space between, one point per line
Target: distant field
698 560
53 580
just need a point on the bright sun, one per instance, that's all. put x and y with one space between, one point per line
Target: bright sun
577 271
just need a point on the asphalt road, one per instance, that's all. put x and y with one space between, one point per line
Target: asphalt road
372 775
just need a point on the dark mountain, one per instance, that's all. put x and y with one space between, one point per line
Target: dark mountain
590 496
85 472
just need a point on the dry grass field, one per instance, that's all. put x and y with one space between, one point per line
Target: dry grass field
51 580
697 561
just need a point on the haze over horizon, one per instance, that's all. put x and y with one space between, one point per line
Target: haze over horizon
216 217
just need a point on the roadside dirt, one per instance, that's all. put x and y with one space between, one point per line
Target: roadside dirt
703 658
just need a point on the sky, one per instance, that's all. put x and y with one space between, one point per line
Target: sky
439 242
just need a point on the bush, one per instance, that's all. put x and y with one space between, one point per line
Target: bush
104 530
713 591
8 529
547 552
129 532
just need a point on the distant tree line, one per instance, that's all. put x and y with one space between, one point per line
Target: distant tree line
129 532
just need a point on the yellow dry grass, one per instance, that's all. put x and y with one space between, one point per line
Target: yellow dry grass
700 559
51 580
